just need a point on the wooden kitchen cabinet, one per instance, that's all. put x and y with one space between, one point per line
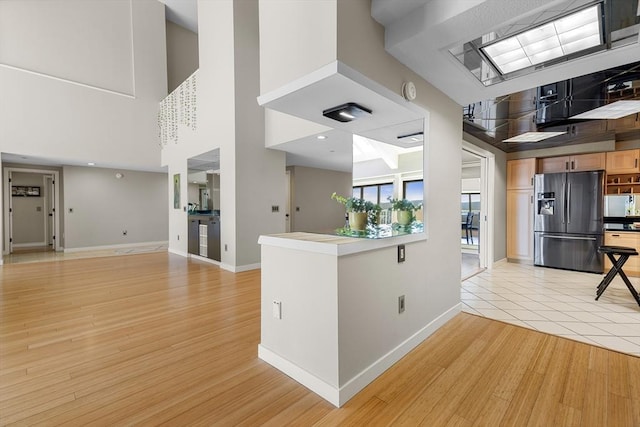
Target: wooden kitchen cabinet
575 163
621 162
520 174
520 225
520 209
630 239
630 122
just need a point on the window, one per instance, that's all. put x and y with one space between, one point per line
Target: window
376 193
413 191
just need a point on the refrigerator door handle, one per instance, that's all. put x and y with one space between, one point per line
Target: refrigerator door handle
547 236
569 203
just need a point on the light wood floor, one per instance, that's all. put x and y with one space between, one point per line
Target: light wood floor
156 339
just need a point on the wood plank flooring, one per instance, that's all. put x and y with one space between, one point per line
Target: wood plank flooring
155 339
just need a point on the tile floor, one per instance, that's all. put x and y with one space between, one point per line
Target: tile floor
557 302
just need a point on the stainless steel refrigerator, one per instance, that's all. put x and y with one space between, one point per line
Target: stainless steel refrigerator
568 223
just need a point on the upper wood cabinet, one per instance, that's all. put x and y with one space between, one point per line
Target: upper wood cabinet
627 161
575 163
520 173
630 122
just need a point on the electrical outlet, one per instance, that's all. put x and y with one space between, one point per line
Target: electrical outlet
401 253
277 309
401 305
124 232
275 208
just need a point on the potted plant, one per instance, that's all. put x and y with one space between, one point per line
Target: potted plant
357 210
406 210
374 210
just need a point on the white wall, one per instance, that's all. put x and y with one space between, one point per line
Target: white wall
437 284
311 190
81 81
28 221
182 54
2 184
435 276
99 207
252 178
305 30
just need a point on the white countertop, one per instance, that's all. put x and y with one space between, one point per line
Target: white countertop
333 244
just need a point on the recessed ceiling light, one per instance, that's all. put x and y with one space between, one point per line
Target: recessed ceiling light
564 36
415 137
614 110
321 137
346 112
91 164
533 136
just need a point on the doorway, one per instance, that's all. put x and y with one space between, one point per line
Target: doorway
31 198
476 209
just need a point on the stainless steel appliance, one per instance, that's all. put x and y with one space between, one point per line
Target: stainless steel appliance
568 223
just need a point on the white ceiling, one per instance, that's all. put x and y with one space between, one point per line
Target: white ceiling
183 13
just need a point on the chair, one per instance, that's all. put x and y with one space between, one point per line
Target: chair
475 225
467 226
616 269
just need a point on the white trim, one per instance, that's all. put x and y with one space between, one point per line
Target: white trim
7 204
240 268
327 391
177 252
204 259
335 245
30 245
338 396
120 246
487 197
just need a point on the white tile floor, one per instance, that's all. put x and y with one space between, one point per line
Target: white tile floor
557 302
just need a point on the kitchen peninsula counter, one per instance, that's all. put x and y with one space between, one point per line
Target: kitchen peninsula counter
333 313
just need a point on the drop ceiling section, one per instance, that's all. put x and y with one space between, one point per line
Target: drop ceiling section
424 37
308 97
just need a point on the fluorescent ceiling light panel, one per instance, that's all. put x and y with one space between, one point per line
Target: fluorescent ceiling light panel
573 33
614 110
533 136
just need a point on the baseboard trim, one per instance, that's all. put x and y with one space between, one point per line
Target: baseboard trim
338 396
177 252
364 378
323 389
204 259
121 246
240 268
29 245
